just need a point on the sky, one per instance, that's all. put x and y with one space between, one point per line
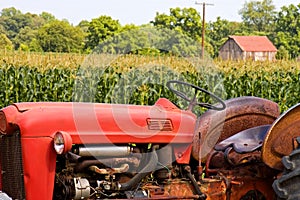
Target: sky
130 11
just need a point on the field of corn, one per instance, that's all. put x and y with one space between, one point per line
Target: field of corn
139 79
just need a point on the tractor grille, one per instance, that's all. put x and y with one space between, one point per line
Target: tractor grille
12 166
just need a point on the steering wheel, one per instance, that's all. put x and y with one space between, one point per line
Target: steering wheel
193 102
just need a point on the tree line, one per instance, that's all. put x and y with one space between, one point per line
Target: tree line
44 33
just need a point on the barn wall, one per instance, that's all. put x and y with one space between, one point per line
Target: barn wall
230 51
261 56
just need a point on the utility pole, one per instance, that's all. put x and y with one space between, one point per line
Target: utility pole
203 24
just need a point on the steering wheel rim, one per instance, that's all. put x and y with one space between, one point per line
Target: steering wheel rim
193 102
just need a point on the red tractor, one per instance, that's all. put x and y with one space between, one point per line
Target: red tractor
114 151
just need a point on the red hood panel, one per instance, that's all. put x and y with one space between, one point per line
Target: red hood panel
104 123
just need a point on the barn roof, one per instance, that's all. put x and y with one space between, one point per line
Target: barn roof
254 43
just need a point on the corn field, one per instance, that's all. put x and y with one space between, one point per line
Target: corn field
140 79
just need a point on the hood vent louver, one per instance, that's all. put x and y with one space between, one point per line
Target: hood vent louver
160 124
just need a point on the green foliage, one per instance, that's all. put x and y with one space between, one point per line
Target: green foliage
30 84
254 79
258 15
129 27
100 29
60 36
150 40
185 20
5 43
21 28
12 20
282 53
47 17
84 25
288 31
125 42
24 38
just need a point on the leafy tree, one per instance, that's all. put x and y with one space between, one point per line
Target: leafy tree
47 17
34 21
5 43
60 36
19 27
219 31
2 29
84 25
100 29
125 42
129 27
26 40
150 40
12 20
258 15
287 30
186 21
282 53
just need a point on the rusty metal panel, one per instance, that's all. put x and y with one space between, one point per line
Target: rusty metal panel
280 139
213 188
240 114
221 188
173 189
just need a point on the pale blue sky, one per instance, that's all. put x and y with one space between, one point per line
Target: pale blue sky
129 11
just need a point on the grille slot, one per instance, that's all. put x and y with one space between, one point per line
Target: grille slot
12 166
160 124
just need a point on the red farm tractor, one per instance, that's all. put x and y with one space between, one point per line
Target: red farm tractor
78 150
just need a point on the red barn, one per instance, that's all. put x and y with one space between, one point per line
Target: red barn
248 47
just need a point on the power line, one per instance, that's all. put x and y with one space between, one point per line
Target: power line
203 24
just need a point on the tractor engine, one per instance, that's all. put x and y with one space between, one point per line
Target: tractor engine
128 171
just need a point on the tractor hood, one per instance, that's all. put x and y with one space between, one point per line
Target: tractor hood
99 122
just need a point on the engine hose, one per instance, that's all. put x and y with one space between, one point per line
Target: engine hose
202 196
149 168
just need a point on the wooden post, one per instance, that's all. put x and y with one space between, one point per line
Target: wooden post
203 25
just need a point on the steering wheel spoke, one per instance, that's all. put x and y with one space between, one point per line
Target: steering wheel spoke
193 101
182 95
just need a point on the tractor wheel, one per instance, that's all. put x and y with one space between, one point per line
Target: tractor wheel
287 186
241 113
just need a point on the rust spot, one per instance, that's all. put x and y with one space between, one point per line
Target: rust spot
279 140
